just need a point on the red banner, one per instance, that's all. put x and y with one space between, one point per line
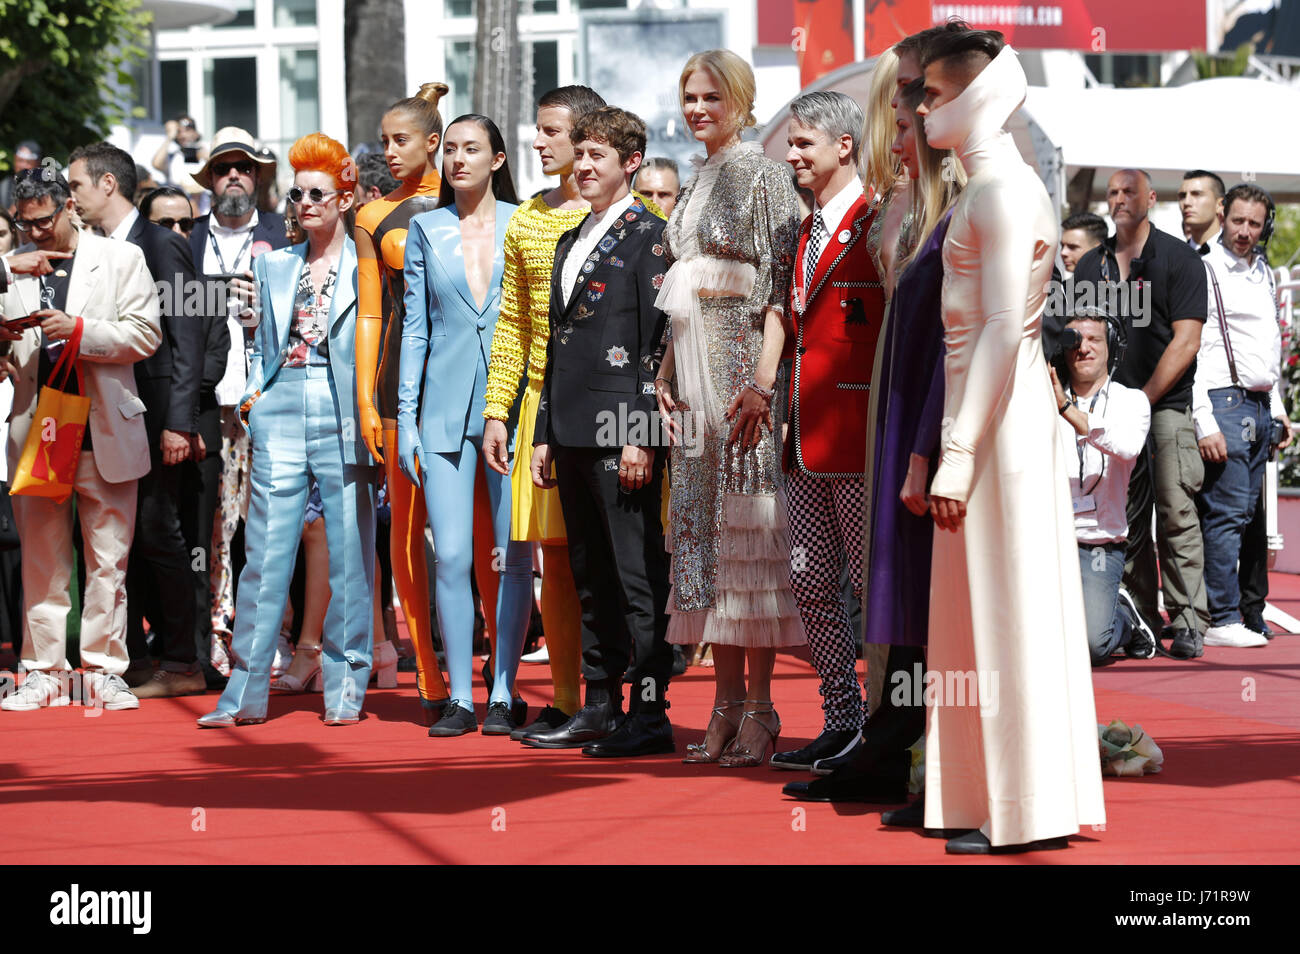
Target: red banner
821 31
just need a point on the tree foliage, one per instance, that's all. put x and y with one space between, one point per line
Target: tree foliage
64 75
1211 65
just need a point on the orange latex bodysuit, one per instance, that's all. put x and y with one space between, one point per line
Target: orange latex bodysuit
381 234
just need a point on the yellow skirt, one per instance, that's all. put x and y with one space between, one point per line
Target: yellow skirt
535 513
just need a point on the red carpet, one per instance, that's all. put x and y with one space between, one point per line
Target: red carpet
148 787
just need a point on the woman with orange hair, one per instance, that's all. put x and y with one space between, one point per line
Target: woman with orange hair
300 410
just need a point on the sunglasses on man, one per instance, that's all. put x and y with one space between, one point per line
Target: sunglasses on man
243 166
186 223
44 223
316 196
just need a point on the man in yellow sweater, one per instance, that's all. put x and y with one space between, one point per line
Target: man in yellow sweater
519 344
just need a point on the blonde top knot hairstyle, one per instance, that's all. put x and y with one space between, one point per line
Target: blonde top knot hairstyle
734 78
423 107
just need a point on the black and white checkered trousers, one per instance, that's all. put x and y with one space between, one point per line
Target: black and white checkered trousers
825 532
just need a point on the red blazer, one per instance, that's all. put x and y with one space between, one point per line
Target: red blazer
835 346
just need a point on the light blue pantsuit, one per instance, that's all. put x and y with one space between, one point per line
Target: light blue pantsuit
446 342
303 424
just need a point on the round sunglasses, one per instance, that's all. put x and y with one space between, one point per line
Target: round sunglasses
316 196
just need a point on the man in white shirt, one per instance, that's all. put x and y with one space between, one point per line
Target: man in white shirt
225 243
1104 427
1235 401
601 363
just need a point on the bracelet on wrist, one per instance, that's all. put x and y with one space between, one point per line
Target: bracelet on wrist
765 393
1064 407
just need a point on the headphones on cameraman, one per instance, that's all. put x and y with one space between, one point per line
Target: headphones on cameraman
1267 231
1116 341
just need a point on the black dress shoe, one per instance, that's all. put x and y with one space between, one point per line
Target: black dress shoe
885 783
549 718
828 745
852 760
499 720
1187 644
974 843
456 720
431 711
641 733
589 724
913 816
1254 621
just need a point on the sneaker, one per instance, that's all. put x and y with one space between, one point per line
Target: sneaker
107 692
1253 620
456 720
499 720
39 689
1235 635
1142 642
541 656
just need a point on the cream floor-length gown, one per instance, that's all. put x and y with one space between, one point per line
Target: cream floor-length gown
1006 599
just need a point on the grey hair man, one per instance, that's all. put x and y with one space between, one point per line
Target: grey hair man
837 311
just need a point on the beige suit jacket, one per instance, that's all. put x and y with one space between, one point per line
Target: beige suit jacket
111 289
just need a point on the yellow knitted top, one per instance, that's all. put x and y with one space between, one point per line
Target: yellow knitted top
523 324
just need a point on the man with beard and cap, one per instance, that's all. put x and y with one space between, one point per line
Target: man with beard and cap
225 242
1011 746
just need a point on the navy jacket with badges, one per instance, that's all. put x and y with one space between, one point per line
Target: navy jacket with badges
604 348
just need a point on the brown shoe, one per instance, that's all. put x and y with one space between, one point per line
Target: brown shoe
166 684
138 672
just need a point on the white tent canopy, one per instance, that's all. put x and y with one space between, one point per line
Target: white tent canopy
1239 128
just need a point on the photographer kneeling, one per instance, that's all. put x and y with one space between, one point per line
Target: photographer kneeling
1104 427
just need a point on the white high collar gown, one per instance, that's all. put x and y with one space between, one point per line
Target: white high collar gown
1006 599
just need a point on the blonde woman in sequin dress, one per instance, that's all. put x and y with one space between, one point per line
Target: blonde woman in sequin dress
731 241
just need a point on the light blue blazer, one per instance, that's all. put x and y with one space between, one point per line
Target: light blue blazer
445 335
277 274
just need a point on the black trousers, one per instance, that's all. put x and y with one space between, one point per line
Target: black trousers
897 721
200 483
1252 564
159 574
616 550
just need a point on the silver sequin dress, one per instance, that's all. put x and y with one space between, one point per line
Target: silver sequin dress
731 243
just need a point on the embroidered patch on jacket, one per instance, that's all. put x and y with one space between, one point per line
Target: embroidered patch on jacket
597 286
648 387
611 463
616 261
617 356
630 215
606 243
